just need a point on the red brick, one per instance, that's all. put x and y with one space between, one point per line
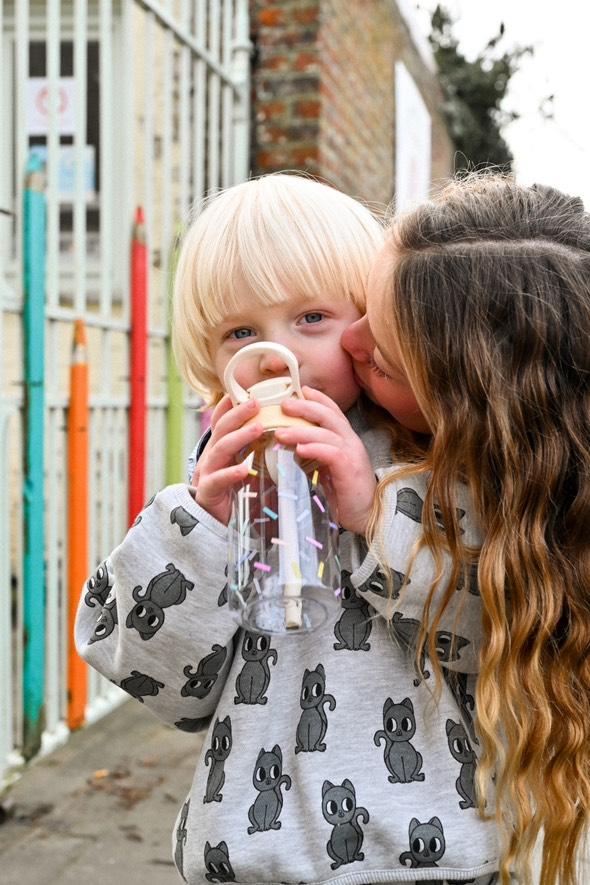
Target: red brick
306 60
274 63
274 135
270 110
309 110
305 156
272 159
306 16
270 18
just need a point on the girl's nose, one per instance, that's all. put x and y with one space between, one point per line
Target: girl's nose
271 365
358 341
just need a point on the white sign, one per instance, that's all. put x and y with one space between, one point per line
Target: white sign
66 173
38 106
413 142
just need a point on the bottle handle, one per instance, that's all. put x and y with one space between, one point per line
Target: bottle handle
237 393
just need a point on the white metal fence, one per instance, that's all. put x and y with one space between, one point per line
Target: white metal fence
156 97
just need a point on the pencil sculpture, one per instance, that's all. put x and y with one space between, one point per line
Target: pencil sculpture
34 247
78 416
138 367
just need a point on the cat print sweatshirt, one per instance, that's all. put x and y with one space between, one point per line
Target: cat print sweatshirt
326 759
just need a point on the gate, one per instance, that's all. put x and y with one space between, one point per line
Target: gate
122 104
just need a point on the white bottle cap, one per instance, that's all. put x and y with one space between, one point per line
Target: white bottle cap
271 391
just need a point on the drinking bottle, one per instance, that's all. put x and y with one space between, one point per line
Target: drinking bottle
283 570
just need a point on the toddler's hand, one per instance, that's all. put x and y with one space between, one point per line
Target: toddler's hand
338 449
216 472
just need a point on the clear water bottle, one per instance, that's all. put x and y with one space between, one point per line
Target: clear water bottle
283 572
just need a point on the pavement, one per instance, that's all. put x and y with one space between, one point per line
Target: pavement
100 810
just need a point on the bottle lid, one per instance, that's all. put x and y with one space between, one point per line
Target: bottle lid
271 391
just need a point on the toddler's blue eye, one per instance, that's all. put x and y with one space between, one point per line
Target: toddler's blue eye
310 318
240 333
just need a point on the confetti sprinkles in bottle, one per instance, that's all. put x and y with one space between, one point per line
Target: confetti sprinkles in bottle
283 568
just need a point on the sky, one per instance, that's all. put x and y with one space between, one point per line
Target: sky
554 152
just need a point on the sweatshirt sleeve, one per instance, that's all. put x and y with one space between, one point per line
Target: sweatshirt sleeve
459 634
153 617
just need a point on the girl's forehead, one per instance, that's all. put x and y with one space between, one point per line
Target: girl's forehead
379 282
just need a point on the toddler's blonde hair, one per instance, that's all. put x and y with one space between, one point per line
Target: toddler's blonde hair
280 236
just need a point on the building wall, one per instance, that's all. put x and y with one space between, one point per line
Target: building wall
324 92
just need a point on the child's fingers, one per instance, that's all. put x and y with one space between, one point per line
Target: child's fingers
292 436
233 418
310 393
215 486
318 413
221 452
352 483
223 406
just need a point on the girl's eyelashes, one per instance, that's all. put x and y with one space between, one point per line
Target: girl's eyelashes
379 372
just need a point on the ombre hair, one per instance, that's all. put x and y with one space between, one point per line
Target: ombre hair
488 300
280 236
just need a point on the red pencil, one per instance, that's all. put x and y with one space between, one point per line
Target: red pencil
138 367
77 517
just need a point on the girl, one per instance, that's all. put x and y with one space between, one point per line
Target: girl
325 760
478 326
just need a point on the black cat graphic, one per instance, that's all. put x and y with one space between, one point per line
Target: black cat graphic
340 810
221 743
165 589
472 584
217 863
457 683
192 725
107 621
268 778
222 598
411 505
201 681
181 835
462 751
408 629
140 685
253 679
403 761
427 844
184 520
377 583
354 626
145 507
97 587
313 723
448 646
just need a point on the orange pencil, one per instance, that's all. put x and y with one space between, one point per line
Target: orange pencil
77 517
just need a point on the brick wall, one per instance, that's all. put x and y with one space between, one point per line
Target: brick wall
324 93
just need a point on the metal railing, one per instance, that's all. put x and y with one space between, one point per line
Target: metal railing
160 90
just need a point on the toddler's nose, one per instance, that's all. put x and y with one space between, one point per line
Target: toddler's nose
271 364
358 340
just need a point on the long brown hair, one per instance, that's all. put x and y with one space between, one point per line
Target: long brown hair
489 303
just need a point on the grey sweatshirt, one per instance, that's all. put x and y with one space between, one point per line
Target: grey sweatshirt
326 759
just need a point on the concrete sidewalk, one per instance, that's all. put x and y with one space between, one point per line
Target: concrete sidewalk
100 810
